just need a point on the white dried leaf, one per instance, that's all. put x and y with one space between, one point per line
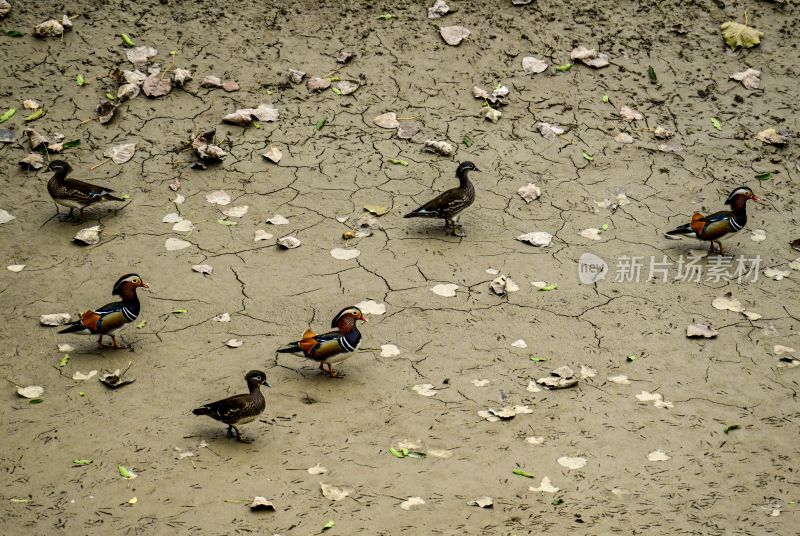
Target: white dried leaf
453 35
519 343
795 264
183 455
66 348
480 383
346 87
779 349
344 254
491 114
750 315
262 503
623 137
172 217
183 226
139 56
531 65
55 319
549 131
233 343
776 274
533 387
483 502
411 502
81 376
224 317
296 76
701 330
32 161
30 104
571 463
88 236
447 290
529 192
488 416
120 153
425 389
5 216
545 486
16 268
670 147
261 234
175 244
533 440
407 130
371 307
658 456
536 238
590 57
317 84
230 86
621 379
440 453
245 116
440 147
334 493
492 271
273 154
503 285
218 197
758 235
203 268
387 120
317 470
289 242
587 372
727 303
750 78
389 350
5 8
438 9
629 114
181 76
235 212
560 378
591 233
772 137
662 133
31 391
656 398
49 28
127 92
277 219
155 86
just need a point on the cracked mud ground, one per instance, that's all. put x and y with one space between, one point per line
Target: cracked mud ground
714 483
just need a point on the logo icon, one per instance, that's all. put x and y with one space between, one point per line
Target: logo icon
591 269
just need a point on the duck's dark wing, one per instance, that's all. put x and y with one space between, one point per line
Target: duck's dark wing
86 193
444 205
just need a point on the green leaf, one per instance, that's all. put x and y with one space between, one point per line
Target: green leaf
81 393
587 156
551 286
563 68
632 358
173 53
227 223
81 461
35 401
467 142
334 79
64 360
398 453
141 324
604 227
731 428
386 16
329 524
336 90
716 123
652 74
80 80
8 115
127 41
125 196
124 472
35 115
538 358
14 33
398 162
255 124
605 98
321 123
520 472
557 501
110 96
72 144
767 175
180 311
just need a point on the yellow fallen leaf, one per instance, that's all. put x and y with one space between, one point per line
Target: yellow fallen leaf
740 35
133 501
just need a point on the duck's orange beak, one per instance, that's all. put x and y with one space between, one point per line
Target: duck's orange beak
363 317
144 285
756 198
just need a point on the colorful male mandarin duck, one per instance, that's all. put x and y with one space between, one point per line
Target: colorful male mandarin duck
239 409
73 193
111 318
719 224
331 347
449 204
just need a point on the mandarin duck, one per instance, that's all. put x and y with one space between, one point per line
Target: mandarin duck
333 346
449 204
719 224
111 318
73 193
239 409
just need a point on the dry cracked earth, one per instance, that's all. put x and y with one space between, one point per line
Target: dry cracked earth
730 433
